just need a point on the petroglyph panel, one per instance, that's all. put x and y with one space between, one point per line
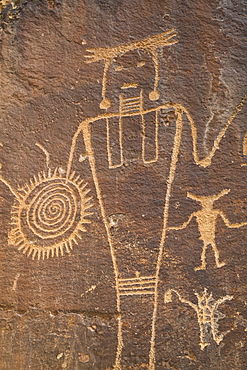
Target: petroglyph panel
123 157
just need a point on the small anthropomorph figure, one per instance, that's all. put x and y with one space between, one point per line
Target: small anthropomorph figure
206 219
207 315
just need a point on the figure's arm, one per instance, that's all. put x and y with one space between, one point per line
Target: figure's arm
205 162
230 225
168 298
220 301
84 129
15 193
184 225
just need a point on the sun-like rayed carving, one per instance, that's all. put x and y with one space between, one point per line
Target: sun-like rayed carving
49 215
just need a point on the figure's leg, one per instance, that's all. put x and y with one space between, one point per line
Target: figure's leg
204 340
203 258
137 302
120 345
217 256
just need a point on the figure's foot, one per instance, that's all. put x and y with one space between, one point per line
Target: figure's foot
202 267
220 264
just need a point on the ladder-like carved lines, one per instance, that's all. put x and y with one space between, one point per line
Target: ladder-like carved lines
130 105
137 286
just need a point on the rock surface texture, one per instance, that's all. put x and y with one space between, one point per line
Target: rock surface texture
123 169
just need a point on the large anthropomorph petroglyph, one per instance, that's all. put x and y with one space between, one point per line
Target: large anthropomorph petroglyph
132 155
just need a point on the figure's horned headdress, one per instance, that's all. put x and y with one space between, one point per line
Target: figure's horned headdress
149 45
206 199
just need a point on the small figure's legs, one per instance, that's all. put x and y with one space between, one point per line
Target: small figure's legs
203 258
217 256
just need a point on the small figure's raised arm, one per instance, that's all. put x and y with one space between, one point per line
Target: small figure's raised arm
168 298
184 225
229 224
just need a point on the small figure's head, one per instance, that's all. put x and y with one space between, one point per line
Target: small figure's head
149 46
207 201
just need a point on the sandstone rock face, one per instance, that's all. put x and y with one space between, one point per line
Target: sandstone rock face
123 154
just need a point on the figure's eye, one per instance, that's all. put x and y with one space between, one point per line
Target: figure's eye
118 68
141 64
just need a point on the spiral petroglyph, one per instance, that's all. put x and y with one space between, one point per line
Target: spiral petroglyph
49 215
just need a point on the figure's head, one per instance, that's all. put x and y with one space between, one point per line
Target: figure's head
149 46
207 201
